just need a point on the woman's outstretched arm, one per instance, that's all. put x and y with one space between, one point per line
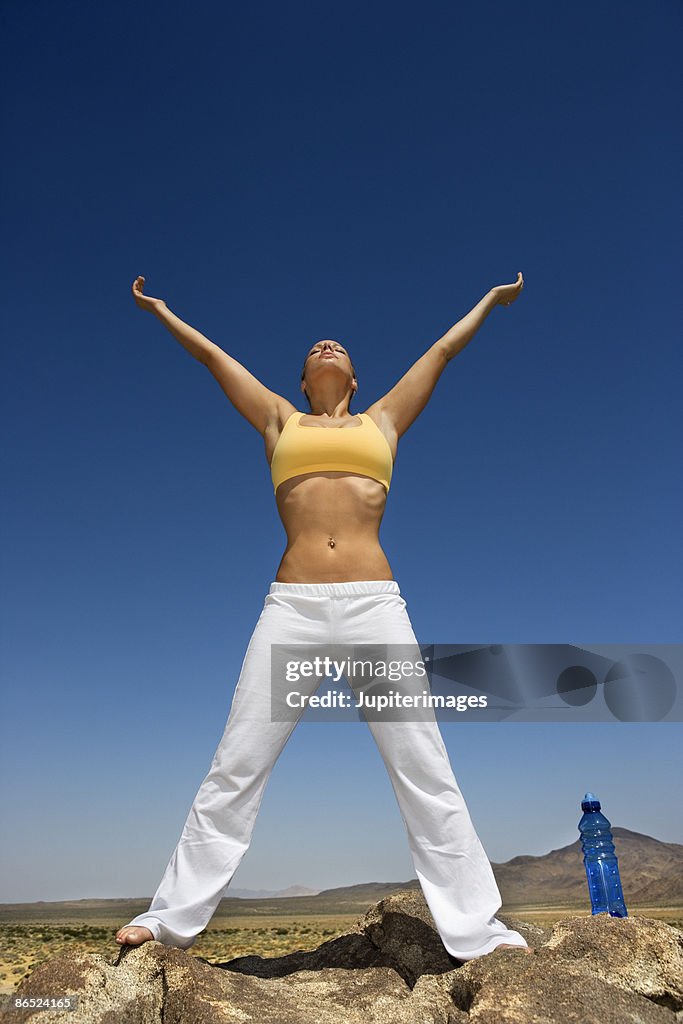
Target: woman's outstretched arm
257 403
406 400
460 334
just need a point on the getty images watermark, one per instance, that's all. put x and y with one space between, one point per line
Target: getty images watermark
477 682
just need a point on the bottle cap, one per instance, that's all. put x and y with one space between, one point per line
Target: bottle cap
590 802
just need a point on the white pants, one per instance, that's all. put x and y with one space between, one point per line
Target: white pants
451 865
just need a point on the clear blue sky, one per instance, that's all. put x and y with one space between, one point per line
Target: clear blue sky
281 174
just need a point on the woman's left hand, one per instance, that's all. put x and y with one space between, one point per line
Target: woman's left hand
507 293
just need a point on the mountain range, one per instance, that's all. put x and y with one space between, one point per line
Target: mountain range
651 875
263 894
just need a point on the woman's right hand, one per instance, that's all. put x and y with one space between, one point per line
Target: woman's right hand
145 301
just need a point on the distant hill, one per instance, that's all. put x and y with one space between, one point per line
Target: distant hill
263 894
651 875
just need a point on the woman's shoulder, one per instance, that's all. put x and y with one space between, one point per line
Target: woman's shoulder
284 411
383 422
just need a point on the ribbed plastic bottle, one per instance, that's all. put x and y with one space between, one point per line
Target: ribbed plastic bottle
602 870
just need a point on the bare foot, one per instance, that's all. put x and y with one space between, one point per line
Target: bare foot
133 935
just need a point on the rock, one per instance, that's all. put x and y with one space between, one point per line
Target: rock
401 926
153 983
637 954
589 969
531 990
353 950
390 969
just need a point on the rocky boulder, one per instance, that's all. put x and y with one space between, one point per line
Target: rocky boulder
390 969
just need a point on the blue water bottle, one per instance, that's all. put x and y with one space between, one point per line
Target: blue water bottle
602 870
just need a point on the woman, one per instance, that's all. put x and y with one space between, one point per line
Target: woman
331 472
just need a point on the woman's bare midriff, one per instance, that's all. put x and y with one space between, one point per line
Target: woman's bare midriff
332 524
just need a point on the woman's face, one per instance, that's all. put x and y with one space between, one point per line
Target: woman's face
327 348
327 352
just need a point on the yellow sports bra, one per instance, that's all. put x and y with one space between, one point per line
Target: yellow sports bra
306 449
